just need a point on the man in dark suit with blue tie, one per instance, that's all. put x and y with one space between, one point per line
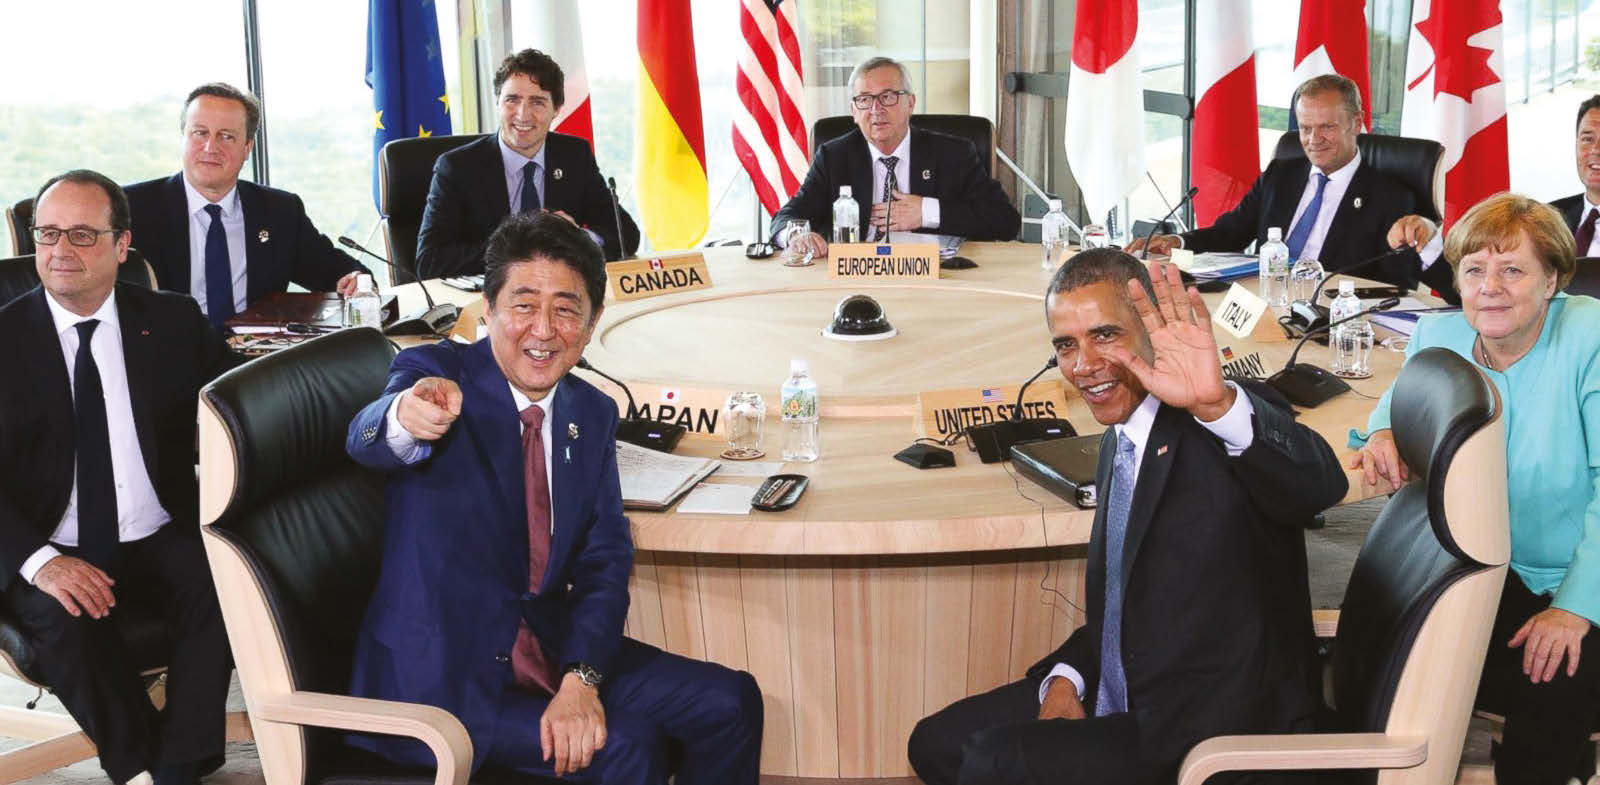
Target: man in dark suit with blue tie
1581 211
225 241
524 167
504 583
99 508
1199 610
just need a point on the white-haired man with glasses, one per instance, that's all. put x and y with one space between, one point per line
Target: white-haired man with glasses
903 179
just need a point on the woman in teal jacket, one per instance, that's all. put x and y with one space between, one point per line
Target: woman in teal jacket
1541 348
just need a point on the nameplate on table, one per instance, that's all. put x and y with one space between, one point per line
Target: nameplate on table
943 412
875 260
697 409
1244 315
636 279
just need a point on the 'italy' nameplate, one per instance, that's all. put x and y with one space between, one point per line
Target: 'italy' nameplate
1243 314
872 260
636 279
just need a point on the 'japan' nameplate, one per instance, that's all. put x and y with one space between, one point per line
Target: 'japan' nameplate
872 260
698 410
636 279
1243 314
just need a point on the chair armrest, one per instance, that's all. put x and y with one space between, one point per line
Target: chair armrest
1301 751
433 726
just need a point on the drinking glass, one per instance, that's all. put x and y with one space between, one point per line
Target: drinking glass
745 415
794 253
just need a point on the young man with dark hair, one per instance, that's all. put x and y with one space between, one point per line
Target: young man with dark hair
1582 210
98 500
524 167
225 241
504 584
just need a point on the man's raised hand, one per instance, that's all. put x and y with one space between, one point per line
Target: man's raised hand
1185 371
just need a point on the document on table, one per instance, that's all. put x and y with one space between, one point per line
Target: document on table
762 469
652 480
717 499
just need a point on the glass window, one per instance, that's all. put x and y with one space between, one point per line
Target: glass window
117 113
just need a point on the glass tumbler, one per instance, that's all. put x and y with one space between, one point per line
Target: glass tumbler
745 415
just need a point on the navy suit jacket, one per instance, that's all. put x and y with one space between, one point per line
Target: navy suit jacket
293 251
971 203
1357 233
454 580
1571 209
467 200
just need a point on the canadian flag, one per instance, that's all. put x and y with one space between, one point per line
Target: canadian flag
557 33
1454 94
1333 40
1226 156
1105 104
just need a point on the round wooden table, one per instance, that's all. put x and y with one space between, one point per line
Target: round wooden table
887 592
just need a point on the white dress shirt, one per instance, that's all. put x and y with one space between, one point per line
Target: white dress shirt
1234 428
233 226
902 178
139 511
513 162
409 449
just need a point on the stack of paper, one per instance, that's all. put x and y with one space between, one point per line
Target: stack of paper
1224 266
653 480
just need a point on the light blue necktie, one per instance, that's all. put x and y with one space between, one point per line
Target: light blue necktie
1302 229
1112 696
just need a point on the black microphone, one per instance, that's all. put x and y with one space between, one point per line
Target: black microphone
1145 251
1016 412
436 320
616 217
1308 385
663 436
993 440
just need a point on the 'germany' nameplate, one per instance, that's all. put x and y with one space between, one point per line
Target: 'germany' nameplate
943 412
636 279
872 260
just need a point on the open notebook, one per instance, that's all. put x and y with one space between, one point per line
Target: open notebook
653 480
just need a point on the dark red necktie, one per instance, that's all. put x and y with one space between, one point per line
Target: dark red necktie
529 666
1586 232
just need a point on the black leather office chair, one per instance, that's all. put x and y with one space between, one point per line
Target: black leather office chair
1415 162
293 530
1414 625
977 130
18 218
19 274
405 171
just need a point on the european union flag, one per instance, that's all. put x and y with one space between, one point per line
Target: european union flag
405 73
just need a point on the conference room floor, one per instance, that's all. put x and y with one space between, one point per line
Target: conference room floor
1332 550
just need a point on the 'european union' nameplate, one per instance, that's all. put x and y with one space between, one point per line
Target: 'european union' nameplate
1243 314
872 260
636 279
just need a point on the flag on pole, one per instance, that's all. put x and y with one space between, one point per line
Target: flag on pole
405 73
674 198
1454 94
1105 104
557 33
1333 40
769 131
1226 156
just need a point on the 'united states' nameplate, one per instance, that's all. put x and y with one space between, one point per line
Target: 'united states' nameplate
872 260
636 279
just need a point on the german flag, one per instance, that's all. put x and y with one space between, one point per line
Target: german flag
674 200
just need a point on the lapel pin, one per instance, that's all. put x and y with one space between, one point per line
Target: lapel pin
1162 450
1357 203
927 174
556 173
263 236
144 332
572 430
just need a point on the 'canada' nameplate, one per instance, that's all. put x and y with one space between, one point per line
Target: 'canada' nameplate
874 260
636 279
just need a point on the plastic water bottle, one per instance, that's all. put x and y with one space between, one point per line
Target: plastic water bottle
1053 236
364 309
846 217
799 407
1349 343
1274 270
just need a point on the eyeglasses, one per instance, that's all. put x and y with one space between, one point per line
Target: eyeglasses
886 98
79 236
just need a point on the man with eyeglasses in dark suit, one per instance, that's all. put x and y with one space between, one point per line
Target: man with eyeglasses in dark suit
903 179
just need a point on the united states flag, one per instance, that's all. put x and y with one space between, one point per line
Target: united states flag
769 132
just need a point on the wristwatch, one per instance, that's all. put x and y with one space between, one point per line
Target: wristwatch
586 674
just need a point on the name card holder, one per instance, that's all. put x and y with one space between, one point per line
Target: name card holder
874 260
636 279
1245 315
698 410
943 412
